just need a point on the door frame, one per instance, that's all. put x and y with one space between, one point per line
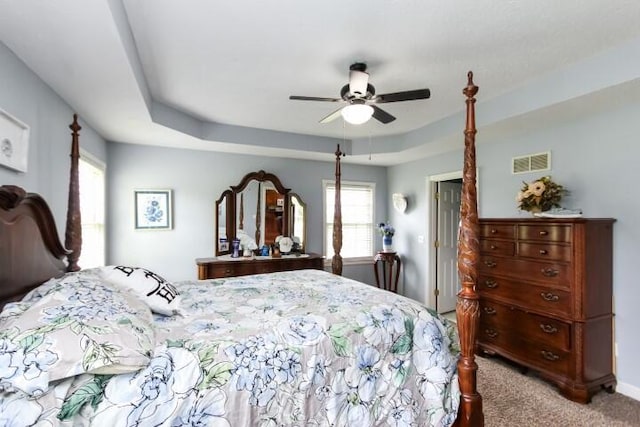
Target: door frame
432 231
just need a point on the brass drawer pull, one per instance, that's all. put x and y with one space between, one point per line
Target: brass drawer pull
494 231
543 252
548 296
490 264
491 333
549 329
491 284
493 247
549 355
489 310
544 233
549 272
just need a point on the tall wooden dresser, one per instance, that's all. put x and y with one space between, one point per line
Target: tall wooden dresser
546 299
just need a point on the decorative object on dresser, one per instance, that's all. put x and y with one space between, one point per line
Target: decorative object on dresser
226 266
546 299
389 263
540 195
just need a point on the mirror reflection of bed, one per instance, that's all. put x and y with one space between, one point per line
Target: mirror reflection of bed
401 358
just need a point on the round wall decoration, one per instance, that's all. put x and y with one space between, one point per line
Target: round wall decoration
399 202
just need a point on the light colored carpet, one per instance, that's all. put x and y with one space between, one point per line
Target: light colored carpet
511 398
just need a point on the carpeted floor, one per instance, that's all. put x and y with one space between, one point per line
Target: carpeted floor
514 399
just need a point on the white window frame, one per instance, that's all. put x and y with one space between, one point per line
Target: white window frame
348 260
100 165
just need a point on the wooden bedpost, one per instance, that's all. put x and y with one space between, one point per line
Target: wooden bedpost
336 262
467 310
73 233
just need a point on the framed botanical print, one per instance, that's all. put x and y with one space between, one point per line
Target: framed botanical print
153 209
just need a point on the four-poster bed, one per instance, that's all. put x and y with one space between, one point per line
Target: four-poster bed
31 254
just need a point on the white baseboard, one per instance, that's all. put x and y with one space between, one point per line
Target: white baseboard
628 390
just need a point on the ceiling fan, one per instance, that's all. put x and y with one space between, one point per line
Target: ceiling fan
361 98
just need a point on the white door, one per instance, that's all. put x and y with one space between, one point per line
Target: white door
447 282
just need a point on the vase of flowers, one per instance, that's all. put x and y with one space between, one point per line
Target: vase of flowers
540 195
387 231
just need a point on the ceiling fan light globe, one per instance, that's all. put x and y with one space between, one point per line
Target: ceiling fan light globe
357 114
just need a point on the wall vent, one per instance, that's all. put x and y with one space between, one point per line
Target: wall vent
531 163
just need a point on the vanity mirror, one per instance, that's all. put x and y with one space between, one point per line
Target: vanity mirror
259 209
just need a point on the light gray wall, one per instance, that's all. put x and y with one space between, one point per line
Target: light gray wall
29 99
197 179
595 157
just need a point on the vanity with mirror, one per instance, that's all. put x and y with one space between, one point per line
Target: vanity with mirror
256 212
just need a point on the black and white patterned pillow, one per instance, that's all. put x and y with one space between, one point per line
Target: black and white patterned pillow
159 294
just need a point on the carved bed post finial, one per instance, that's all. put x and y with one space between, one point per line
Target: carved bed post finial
336 262
467 310
73 234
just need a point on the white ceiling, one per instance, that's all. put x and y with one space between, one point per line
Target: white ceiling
206 74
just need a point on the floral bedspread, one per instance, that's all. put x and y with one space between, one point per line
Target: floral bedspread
303 348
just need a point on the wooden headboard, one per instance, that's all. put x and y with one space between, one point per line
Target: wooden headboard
30 248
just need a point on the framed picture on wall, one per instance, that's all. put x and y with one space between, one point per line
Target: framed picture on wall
153 209
14 142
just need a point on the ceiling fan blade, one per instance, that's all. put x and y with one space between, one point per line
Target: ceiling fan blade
313 98
382 116
409 95
331 117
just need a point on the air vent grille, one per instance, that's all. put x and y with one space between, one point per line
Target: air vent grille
531 163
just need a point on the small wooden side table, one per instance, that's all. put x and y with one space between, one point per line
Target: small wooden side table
387 261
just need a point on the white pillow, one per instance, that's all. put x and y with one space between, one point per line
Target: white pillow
160 295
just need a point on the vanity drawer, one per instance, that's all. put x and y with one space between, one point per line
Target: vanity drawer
215 268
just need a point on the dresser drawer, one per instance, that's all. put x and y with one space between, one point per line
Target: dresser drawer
497 247
518 323
550 273
541 298
545 232
550 251
536 354
498 231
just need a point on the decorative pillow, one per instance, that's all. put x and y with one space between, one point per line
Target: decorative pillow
80 325
160 295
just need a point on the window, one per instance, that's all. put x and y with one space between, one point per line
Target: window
92 207
357 200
